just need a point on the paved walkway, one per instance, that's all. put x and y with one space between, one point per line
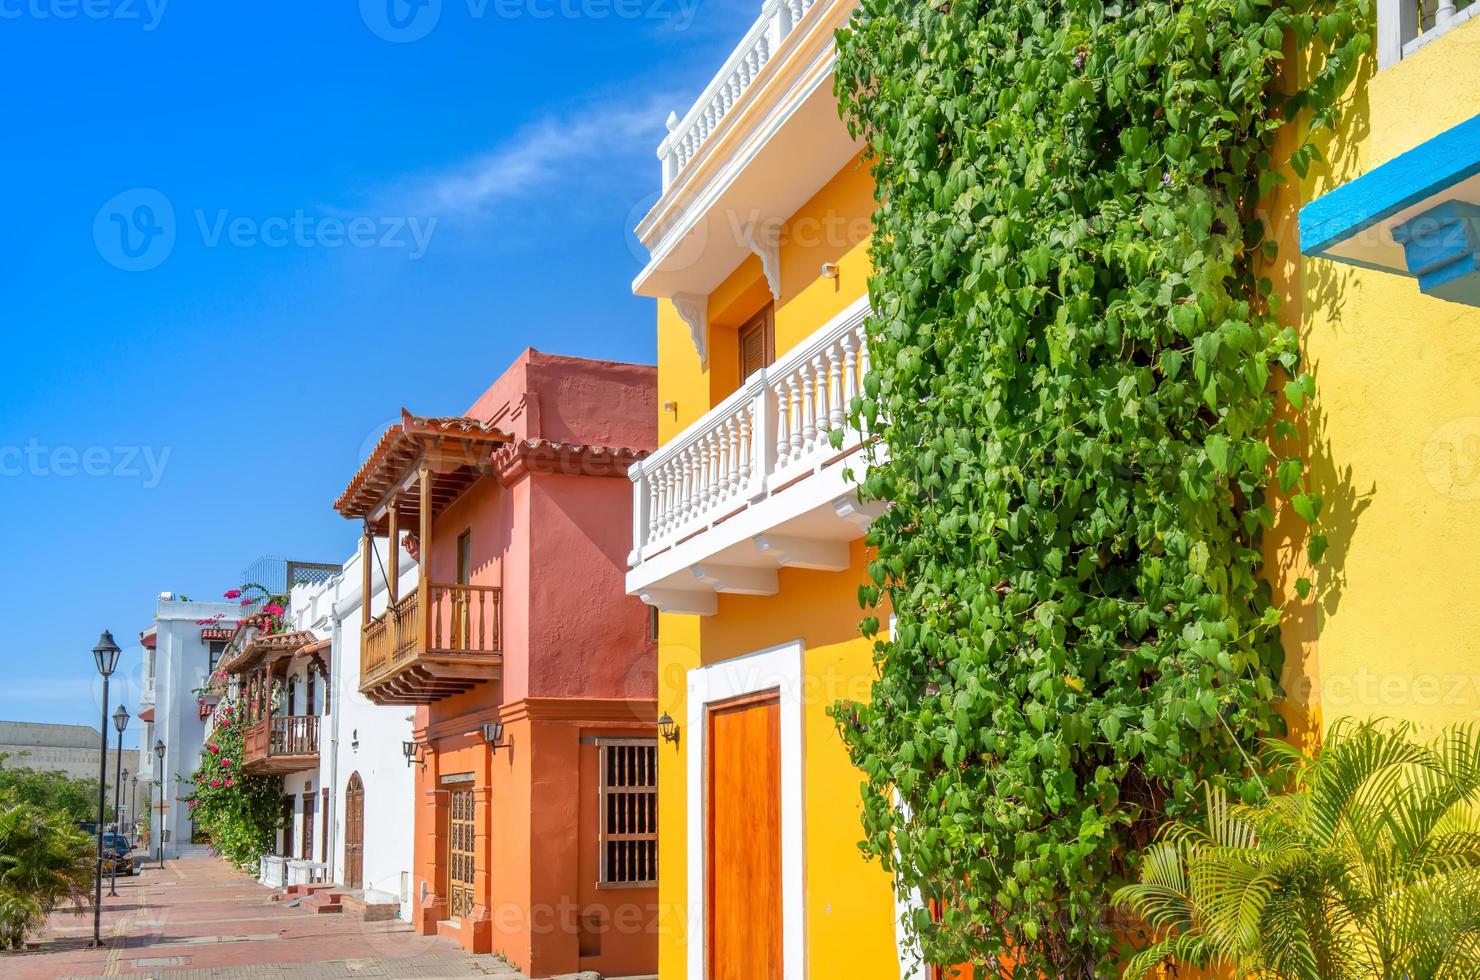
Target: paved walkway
198 919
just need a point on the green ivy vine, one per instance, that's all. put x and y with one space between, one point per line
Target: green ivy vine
241 813
1081 379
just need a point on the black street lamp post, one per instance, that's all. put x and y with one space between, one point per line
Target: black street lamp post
158 824
120 722
105 654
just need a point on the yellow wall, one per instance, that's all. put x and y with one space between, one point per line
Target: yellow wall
832 227
1395 436
850 906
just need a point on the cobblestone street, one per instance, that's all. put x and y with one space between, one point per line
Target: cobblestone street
200 920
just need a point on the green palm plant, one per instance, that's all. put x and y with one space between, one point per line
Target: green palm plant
1368 868
45 862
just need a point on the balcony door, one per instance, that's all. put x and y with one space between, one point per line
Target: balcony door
744 824
354 833
758 342
461 621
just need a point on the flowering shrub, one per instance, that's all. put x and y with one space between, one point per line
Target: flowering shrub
238 811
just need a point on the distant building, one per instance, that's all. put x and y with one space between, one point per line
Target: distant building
69 749
182 648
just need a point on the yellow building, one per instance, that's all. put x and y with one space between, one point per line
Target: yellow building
747 531
1388 295
749 540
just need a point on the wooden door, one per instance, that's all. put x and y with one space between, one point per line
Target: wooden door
744 853
307 840
460 859
287 839
354 833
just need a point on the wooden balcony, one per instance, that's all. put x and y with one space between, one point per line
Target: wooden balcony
279 745
412 654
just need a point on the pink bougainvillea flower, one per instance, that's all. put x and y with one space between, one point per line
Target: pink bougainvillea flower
226 763
273 610
215 749
233 593
228 782
215 784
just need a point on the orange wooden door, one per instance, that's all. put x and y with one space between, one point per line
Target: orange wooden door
744 854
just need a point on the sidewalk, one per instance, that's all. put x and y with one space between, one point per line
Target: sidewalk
199 919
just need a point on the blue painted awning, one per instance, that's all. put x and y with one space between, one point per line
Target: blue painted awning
1417 215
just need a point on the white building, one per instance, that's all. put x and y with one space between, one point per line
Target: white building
350 808
180 652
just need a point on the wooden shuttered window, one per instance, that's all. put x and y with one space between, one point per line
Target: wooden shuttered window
628 804
757 343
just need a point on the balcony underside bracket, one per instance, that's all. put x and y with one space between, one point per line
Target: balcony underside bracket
690 601
738 579
796 552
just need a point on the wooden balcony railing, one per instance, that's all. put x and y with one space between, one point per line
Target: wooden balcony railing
390 638
465 618
281 744
462 646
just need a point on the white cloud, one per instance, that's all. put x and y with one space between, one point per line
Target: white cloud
553 151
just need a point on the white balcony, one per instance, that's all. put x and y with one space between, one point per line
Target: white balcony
1404 26
777 20
761 140
758 483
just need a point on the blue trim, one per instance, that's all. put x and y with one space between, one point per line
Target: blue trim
1424 171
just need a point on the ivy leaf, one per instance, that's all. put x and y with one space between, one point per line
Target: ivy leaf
1288 473
1307 505
1316 548
1217 448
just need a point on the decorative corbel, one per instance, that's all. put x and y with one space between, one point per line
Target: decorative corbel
765 241
694 309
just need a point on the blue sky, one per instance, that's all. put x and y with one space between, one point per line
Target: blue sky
331 210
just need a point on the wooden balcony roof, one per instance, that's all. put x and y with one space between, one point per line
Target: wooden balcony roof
457 446
269 647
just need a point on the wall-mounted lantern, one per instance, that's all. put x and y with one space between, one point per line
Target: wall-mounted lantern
668 728
493 734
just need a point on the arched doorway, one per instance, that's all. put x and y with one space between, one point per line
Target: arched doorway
354 833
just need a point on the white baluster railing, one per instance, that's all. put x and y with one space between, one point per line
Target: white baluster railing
774 430
777 20
1404 26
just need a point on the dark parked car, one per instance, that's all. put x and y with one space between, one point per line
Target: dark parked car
117 851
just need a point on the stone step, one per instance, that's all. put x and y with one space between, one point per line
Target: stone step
366 910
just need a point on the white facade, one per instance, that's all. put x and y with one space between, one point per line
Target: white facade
355 736
182 664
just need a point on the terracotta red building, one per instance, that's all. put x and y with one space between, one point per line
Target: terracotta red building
529 668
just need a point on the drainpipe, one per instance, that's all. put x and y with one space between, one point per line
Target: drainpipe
338 613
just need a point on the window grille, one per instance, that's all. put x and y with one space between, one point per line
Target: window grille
628 840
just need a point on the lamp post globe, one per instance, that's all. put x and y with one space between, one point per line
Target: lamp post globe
105 654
